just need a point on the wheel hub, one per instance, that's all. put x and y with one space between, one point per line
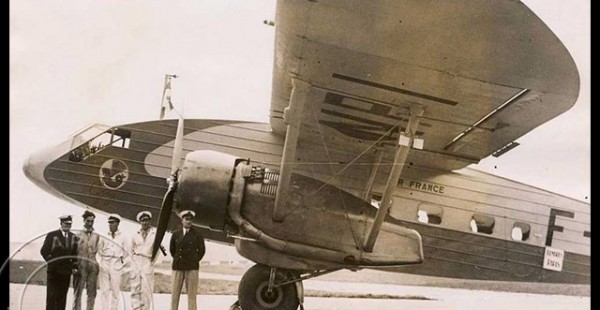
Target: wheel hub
266 298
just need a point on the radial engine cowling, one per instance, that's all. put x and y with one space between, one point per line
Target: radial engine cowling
204 185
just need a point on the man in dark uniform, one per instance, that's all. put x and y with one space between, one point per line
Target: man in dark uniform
187 249
60 252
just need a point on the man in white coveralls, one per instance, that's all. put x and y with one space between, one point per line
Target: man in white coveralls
114 253
142 267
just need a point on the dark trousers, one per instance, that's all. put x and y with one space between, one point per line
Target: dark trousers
56 290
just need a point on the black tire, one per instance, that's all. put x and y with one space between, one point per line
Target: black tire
253 290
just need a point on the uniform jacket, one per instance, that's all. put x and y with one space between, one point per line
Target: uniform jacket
114 250
87 247
114 245
141 246
55 246
188 250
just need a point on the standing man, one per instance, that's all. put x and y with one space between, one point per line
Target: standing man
60 252
187 249
113 251
87 276
142 268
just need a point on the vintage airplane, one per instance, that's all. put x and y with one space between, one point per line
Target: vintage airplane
378 108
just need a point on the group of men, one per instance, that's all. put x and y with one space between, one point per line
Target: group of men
93 259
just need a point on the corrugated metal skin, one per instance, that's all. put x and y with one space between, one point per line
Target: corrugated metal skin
451 249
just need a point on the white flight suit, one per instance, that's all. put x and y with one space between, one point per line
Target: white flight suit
113 251
142 270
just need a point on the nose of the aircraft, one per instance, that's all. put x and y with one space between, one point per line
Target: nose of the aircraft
27 168
35 165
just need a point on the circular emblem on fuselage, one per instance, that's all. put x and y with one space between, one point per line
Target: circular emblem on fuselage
114 173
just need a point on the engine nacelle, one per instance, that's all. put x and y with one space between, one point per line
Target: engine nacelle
204 185
324 227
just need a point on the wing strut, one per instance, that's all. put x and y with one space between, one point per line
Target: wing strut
293 118
367 196
405 142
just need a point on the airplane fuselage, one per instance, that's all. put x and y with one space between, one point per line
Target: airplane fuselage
473 225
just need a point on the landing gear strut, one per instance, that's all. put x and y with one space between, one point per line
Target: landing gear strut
260 289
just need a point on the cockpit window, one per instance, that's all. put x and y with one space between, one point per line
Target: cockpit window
87 134
120 138
114 137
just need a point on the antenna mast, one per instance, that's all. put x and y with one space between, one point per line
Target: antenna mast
166 105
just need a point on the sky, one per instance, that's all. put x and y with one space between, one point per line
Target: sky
77 62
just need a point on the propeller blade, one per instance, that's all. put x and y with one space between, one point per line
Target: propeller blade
167 204
163 219
177 147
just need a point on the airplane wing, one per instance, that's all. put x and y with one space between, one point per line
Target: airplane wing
484 72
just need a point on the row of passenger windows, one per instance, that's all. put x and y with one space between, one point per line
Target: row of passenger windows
480 223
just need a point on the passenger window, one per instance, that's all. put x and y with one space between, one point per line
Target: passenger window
430 214
376 200
520 231
482 224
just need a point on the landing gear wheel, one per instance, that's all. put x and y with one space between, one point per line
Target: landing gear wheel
254 294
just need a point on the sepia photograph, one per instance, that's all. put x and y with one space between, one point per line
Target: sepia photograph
299 154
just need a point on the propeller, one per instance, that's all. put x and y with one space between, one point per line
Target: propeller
167 203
